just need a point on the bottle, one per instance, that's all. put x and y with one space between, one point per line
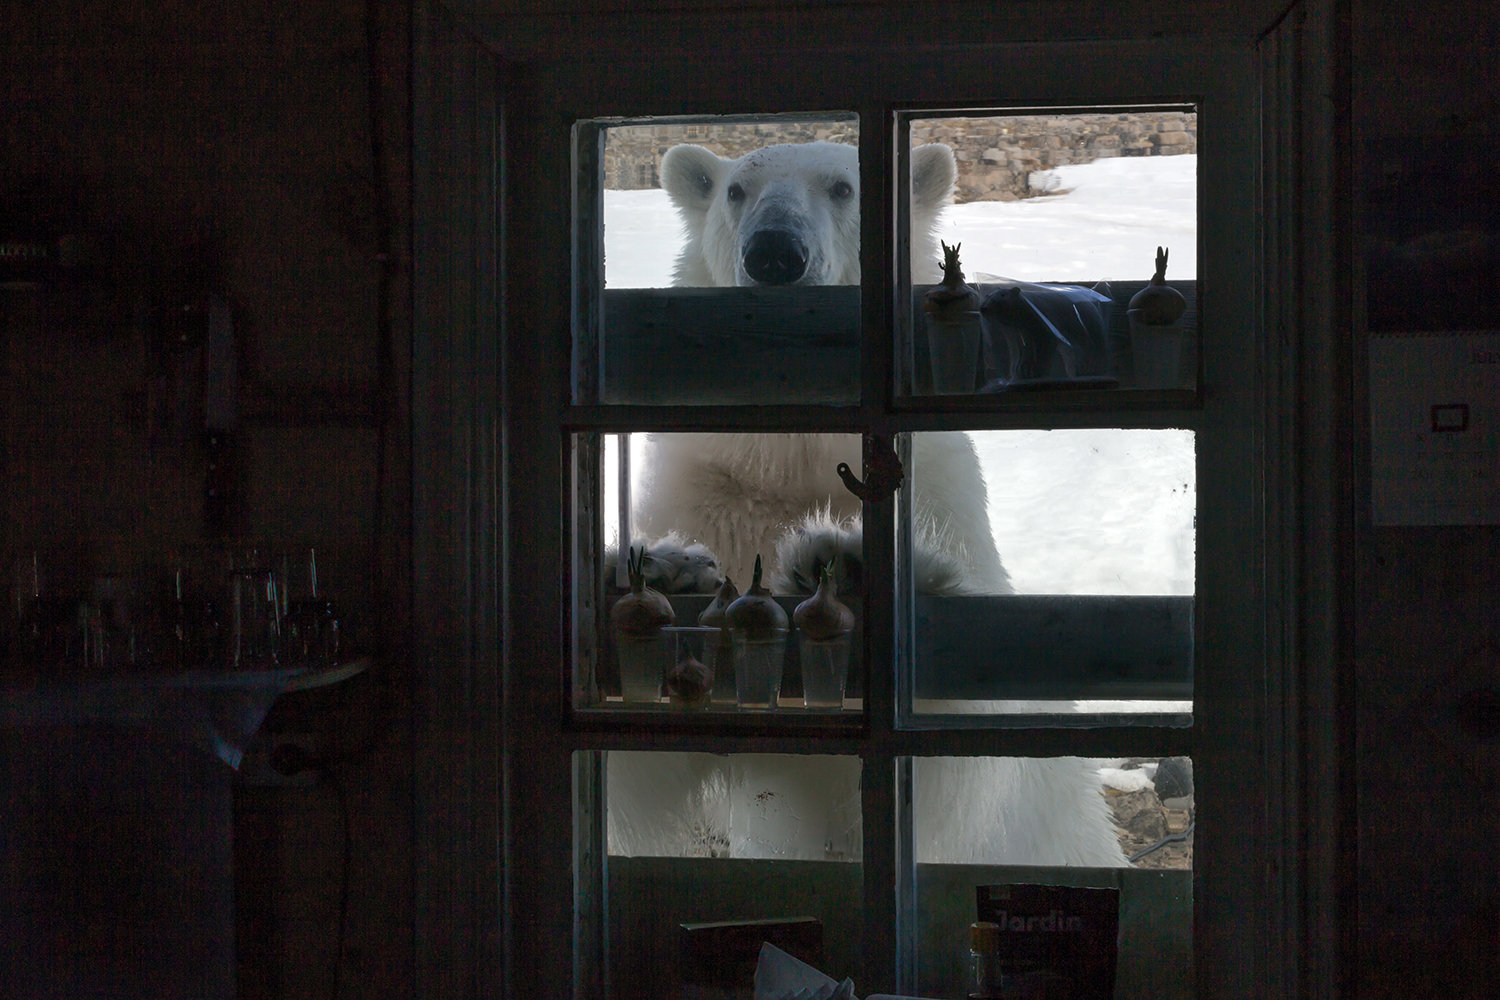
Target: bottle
176 631
985 980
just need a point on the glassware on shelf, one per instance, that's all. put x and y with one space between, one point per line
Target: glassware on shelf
758 662
953 328
255 611
31 627
642 659
758 630
312 624
718 651
640 645
824 626
690 674
985 979
1156 339
825 670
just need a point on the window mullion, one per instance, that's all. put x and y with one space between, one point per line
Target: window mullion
879 174
588 258
890 939
878 192
885 854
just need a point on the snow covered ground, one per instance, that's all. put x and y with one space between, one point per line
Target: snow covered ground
1074 511
1108 223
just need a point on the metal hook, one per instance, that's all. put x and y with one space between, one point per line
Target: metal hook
883 473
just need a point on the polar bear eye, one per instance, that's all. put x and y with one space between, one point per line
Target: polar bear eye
735 193
840 190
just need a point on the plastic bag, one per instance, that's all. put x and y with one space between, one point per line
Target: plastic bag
1044 333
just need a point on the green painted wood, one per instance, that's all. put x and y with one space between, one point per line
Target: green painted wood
731 345
651 897
1021 646
797 344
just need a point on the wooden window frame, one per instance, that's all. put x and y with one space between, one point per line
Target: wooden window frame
503 845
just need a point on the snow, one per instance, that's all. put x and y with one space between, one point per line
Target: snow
1126 206
1093 511
1127 779
1074 511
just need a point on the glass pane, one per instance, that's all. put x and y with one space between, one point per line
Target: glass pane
711 855
1054 571
702 509
1059 221
1010 840
765 213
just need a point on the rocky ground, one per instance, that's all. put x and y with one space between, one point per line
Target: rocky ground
1144 819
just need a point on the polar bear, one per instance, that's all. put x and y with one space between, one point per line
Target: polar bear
782 215
789 214
710 503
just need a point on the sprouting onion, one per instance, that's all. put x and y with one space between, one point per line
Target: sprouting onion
952 299
756 612
689 682
1158 304
713 615
823 616
644 610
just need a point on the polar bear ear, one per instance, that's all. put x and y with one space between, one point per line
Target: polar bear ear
933 174
690 175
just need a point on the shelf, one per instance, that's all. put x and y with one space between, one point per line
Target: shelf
214 710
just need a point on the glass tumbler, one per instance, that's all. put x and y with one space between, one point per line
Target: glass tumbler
688 685
718 652
825 669
312 633
643 661
953 350
758 661
254 613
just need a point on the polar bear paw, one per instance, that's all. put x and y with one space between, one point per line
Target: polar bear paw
672 565
821 539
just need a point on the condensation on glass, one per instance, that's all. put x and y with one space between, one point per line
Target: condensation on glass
695 509
984 824
717 260
710 854
1059 579
697 841
1059 218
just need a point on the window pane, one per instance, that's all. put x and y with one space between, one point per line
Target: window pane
1056 219
1120 825
700 508
764 212
1075 571
710 855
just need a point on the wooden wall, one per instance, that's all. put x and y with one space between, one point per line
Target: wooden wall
232 149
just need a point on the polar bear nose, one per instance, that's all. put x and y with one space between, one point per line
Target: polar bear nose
775 257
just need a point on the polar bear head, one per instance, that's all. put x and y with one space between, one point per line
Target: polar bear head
789 214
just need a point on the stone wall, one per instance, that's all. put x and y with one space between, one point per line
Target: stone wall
996 156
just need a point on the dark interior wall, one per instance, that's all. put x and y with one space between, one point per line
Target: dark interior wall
231 149
1425 615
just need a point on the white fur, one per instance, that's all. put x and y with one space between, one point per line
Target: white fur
778 495
745 495
812 188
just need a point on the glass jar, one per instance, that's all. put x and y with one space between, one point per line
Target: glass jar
985 980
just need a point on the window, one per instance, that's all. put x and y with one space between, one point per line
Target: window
910 721
747 263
